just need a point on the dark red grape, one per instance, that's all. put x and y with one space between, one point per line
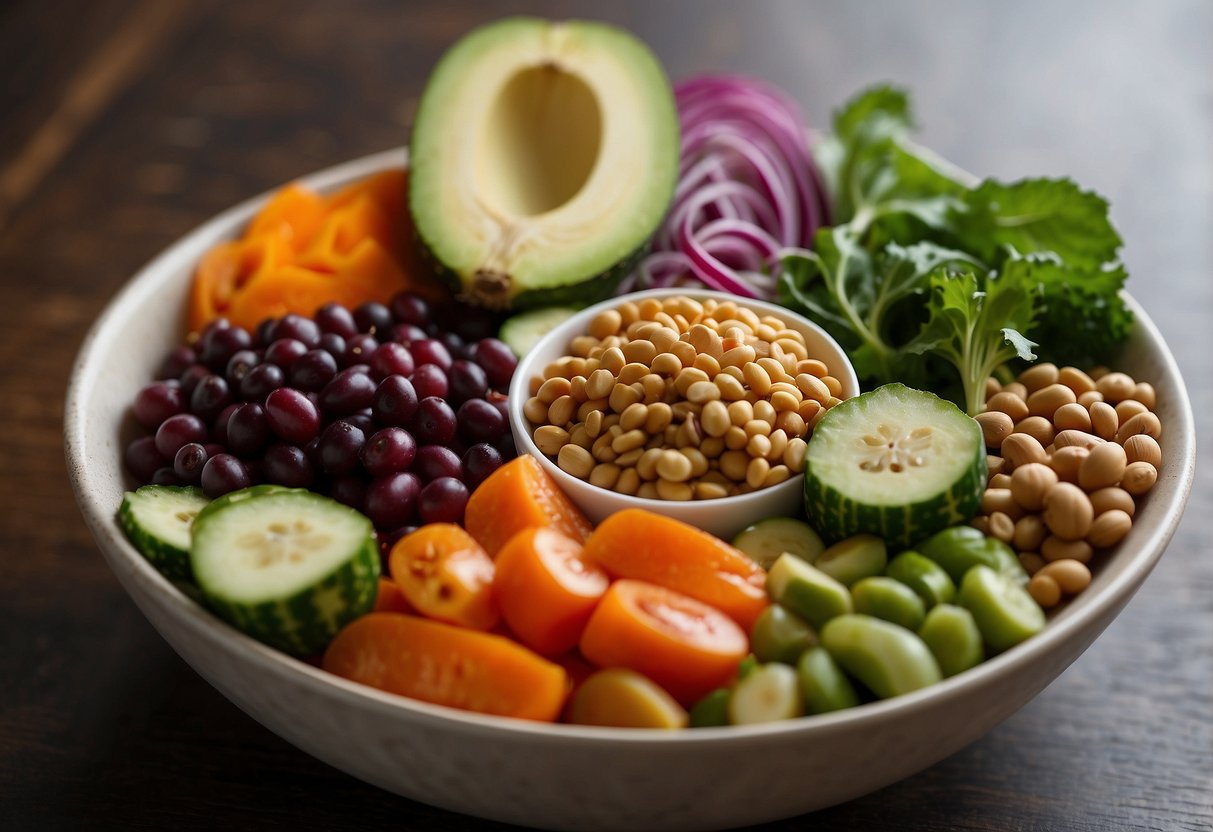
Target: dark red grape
408 308
453 343
434 422
390 501
238 367
190 378
312 370
472 324
388 451
388 539
349 391
176 362
213 448
506 447
350 489
298 328
285 351
467 381
442 501
261 381
336 319
434 461
390 359
358 349
408 333
142 459
248 430
429 380
501 402
291 415
179 430
287 465
219 426
339 448
216 346
166 476
478 462
373 317
223 473
189 461
158 401
479 421
395 401
431 351
363 420
498 361
333 344
263 335
209 397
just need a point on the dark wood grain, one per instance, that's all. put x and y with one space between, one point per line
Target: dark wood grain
124 123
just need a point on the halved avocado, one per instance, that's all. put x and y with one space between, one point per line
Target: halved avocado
544 157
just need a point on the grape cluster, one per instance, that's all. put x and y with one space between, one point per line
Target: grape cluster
396 410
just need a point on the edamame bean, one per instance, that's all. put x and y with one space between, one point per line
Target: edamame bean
1004 611
962 547
889 659
889 600
923 575
807 591
780 635
824 686
952 635
854 559
712 710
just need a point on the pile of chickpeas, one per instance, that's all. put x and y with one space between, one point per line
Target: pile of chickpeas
1069 454
677 399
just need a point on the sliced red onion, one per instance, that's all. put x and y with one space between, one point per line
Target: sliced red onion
748 189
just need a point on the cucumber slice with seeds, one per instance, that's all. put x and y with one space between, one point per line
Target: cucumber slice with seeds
157 520
896 462
767 539
289 568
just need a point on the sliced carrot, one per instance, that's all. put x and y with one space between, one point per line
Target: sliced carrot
226 269
293 213
390 598
517 496
447 665
686 646
345 227
546 590
635 543
445 575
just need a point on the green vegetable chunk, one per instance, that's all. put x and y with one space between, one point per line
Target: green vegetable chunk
712 710
924 576
960 548
890 600
523 331
824 685
770 693
952 635
807 591
1004 611
157 521
854 559
780 635
888 658
767 539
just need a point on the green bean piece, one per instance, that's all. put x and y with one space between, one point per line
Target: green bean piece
890 600
952 635
854 559
712 710
923 575
806 590
962 547
1004 611
824 685
780 635
886 657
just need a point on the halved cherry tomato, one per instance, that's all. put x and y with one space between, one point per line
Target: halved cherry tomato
446 575
390 598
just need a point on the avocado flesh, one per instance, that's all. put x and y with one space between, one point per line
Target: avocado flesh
544 157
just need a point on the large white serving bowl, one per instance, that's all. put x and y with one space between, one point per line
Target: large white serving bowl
559 776
724 517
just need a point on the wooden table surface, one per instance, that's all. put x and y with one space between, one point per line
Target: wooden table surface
124 123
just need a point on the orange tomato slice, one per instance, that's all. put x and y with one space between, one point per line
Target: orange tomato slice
445 575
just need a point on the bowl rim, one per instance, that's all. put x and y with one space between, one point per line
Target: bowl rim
86 375
518 393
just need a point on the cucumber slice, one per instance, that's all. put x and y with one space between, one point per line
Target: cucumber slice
1004 611
523 331
824 685
770 693
289 568
157 520
896 462
806 590
767 539
244 494
850 561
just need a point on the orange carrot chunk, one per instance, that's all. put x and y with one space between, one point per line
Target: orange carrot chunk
520 495
445 575
639 544
681 644
390 598
546 589
447 665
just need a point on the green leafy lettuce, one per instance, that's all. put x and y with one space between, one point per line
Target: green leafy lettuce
926 276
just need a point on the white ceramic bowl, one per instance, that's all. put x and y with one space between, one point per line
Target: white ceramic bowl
560 776
724 517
